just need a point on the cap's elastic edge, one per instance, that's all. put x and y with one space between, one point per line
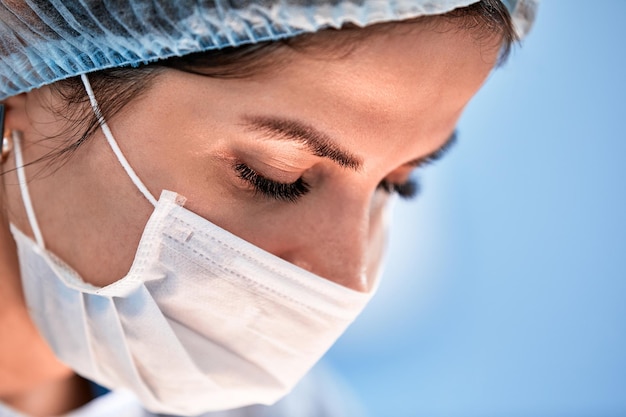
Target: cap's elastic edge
522 13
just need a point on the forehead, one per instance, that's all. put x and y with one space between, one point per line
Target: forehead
399 88
403 80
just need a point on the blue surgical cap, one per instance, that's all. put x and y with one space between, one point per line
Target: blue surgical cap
44 41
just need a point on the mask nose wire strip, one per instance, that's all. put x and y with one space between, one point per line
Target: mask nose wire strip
28 204
113 143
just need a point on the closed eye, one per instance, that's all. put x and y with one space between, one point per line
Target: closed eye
280 191
407 190
410 189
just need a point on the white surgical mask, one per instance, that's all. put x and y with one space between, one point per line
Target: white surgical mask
203 320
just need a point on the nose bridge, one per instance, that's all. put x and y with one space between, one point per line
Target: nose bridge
336 245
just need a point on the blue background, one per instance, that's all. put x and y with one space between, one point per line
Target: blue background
505 289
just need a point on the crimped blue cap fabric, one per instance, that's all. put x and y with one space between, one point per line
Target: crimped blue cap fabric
43 41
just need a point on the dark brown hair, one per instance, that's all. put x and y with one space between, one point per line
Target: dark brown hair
487 20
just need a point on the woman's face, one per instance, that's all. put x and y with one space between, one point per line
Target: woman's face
290 160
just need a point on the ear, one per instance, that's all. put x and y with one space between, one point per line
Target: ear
15 116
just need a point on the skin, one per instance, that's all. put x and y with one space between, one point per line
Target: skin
396 98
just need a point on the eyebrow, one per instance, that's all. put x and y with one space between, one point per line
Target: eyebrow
322 145
438 153
319 143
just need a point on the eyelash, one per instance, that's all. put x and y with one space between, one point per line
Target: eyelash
280 191
406 190
291 192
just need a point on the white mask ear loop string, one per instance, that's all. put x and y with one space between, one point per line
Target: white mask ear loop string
21 176
113 143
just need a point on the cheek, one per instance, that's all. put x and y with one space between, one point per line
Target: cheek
378 235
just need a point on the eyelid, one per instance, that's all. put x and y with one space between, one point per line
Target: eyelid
288 192
282 163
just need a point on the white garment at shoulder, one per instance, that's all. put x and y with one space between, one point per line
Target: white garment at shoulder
320 394
113 404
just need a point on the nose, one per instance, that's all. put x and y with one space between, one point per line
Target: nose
342 240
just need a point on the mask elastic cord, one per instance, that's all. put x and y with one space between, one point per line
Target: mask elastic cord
21 176
113 143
